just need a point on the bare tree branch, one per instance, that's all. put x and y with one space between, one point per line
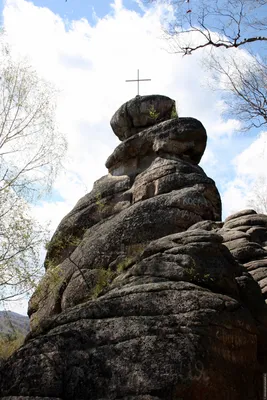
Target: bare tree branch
242 82
220 24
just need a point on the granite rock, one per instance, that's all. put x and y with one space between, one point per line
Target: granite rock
245 234
177 323
148 295
140 113
183 138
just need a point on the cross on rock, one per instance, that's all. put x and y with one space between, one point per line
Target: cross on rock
137 80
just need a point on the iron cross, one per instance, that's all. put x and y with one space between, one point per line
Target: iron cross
137 80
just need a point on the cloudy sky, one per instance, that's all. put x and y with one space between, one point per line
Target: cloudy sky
88 48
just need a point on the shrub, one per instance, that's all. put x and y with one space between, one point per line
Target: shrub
10 343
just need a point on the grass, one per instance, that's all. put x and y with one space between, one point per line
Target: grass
10 343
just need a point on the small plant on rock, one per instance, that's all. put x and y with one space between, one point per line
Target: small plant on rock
10 343
153 113
196 276
105 277
174 113
122 266
99 202
50 284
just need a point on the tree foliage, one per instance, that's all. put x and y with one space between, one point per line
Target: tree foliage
31 148
31 151
21 242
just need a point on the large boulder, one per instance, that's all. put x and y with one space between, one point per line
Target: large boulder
245 235
176 322
183 138
120 214
140 113
154 188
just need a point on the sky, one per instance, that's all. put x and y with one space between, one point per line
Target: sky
88 48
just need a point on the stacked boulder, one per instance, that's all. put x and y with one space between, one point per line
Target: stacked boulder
154 188
141 299
245 235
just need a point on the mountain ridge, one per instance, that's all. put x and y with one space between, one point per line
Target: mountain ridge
12 322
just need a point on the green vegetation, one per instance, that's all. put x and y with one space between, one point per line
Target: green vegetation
10 343
134 250
196 276
50 284
54 278
31 153
153 113
61 242
174 113
104 278
99 202
103 206
122 266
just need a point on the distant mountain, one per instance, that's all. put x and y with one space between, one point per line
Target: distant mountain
11 322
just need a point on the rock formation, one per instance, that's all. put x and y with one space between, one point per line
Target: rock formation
245 235
147 294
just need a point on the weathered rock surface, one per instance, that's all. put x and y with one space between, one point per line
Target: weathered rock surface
121 216
134 204
175 324
102 244
179 137
145 296
245 235
141 112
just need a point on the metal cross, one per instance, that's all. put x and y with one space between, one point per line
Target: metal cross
137 80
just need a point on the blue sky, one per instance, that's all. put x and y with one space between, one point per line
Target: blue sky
87 49
78 9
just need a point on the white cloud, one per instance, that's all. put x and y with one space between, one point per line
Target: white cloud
250 170
234 197
117 6
209 159
252 161
18 306
225 128
141 5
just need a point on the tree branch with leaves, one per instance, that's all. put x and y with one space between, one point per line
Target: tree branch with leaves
31 153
